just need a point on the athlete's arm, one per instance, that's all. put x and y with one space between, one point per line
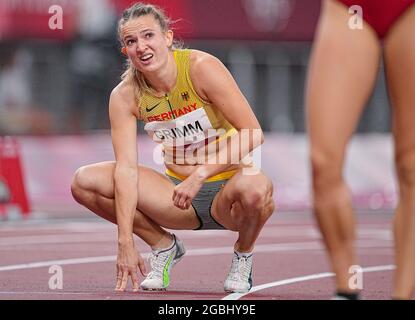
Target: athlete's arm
215 84
124 139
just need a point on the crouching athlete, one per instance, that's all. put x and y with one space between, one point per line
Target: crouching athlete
189 102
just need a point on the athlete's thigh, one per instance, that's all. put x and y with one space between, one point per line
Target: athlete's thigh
155 193
400 70
223 209
342 73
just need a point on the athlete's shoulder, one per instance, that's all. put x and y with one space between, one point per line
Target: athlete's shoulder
124 90
122 97
201 60
205 69
123 94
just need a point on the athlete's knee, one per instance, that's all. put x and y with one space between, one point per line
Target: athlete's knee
81 183
269 207
326 168
258 200
405 167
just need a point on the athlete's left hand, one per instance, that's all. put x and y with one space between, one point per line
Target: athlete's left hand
184 192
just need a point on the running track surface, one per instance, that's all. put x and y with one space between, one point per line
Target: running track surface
289 262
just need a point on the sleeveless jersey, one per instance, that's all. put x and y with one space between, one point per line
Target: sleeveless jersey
181 120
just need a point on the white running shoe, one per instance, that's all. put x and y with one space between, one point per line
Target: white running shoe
239 278
161 262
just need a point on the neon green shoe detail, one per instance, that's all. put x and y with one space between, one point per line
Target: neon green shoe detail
166 276
162 262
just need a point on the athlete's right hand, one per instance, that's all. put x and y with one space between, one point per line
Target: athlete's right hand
128 259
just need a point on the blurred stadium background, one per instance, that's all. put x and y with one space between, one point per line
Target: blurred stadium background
55 84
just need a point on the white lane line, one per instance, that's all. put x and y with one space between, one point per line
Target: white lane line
40 264
237 296
101 236
49 293
191 252
55 239
280 247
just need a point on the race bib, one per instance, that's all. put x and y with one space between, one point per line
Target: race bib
190 129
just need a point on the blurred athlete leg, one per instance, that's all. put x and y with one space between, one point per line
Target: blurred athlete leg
343 70
400 66
93 187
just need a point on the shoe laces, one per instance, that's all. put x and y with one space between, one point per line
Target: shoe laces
241 268
157 262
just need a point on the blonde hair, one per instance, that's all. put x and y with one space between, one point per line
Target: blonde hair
131 74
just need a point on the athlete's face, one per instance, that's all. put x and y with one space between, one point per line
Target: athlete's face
146 43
